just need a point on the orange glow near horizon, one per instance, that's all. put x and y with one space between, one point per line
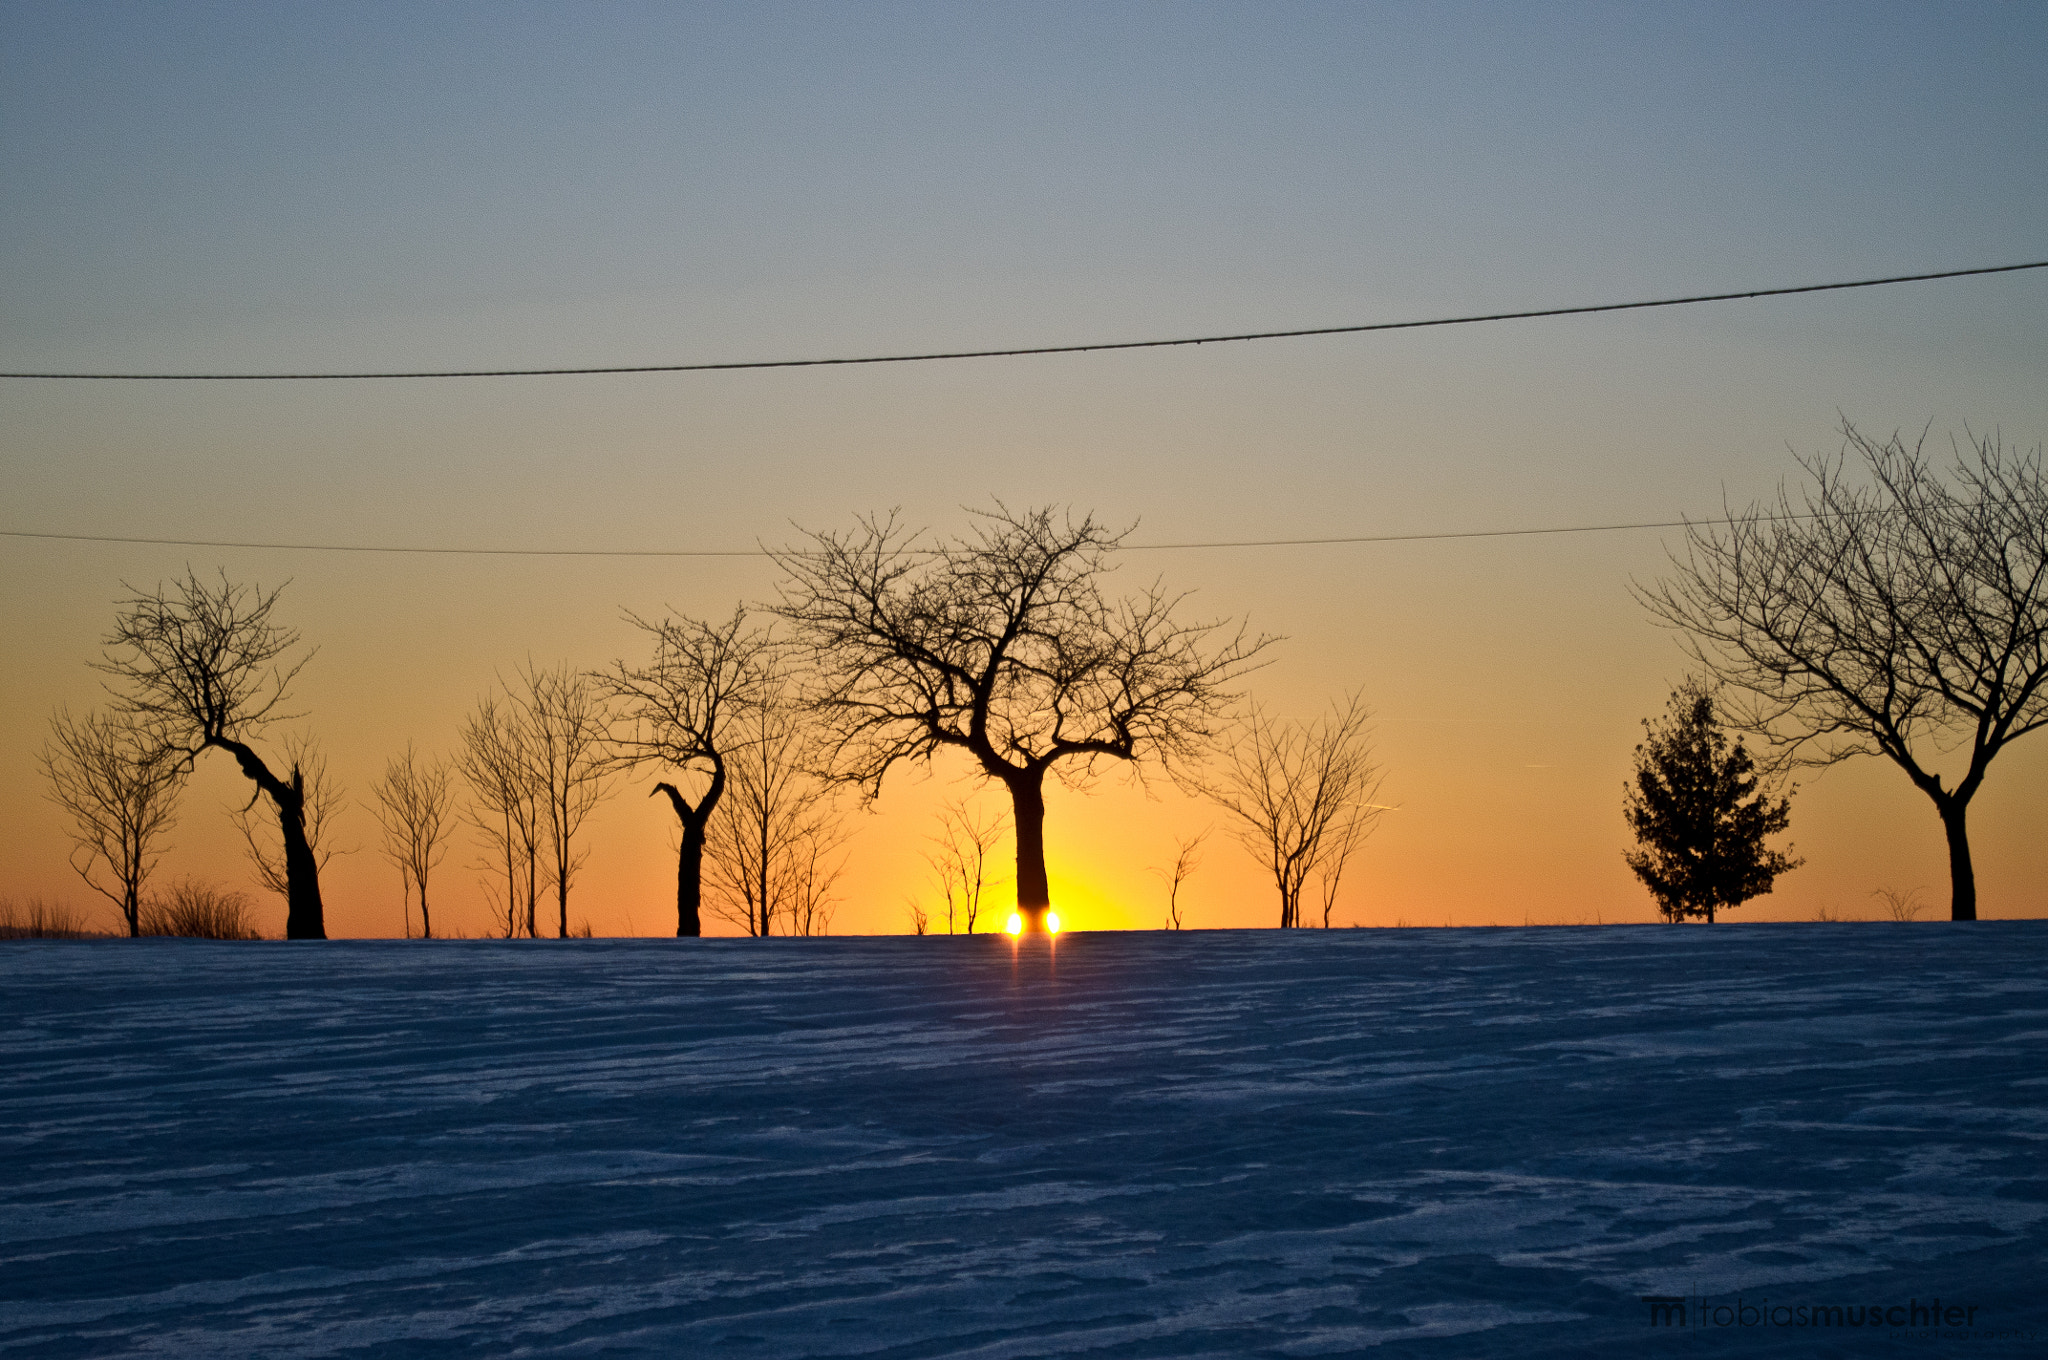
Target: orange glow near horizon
1015 925
1052 923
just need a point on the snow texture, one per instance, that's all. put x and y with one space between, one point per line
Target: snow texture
1233 1143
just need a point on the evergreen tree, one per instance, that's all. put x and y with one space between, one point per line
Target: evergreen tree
1701 813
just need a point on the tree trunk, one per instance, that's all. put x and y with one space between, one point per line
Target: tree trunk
690 855
760 928
304 919
1962 876
690 880
1027 803
426 922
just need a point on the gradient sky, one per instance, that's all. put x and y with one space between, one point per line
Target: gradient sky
192 187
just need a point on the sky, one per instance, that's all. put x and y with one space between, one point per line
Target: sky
249 187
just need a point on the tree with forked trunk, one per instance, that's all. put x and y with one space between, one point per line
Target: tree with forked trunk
121 789
683 710
505 808
1002 644
960 860
1187 858
202 666
1302 796
1903 613
565 743
414 805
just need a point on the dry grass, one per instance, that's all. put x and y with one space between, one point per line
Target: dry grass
37 919
200 911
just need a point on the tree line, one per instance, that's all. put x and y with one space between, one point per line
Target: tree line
1901 613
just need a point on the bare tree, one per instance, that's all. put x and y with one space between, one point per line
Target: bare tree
1003 645
920 920
565 740
121 789
204 666
1301 792
773 847
1350 832
815 864
504 806
1904 614
684 710
1187 858
324 798
415 806
960 860
1900 906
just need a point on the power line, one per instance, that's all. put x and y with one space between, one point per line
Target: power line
1039 349
1191 546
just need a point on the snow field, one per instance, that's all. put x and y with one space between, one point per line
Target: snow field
1451 1142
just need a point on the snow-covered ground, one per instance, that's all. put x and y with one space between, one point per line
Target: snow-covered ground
1453 1142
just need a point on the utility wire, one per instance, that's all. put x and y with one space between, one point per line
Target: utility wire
1039 349
1191 546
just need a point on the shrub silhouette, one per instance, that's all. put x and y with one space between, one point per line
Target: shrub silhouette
200 911
37 919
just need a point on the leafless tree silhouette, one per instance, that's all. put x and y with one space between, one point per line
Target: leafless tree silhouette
504 806
685 710
1900 906
1003 645
415 805
961 860
1345 838
200 666
565 740
324 799
773 848
121 789
1302 793
1187 858
1903 615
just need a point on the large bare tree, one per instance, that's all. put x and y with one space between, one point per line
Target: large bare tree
415 804
202 666
685 710
1892 608
773 849
1006 645
565 741
121 789
1302 796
